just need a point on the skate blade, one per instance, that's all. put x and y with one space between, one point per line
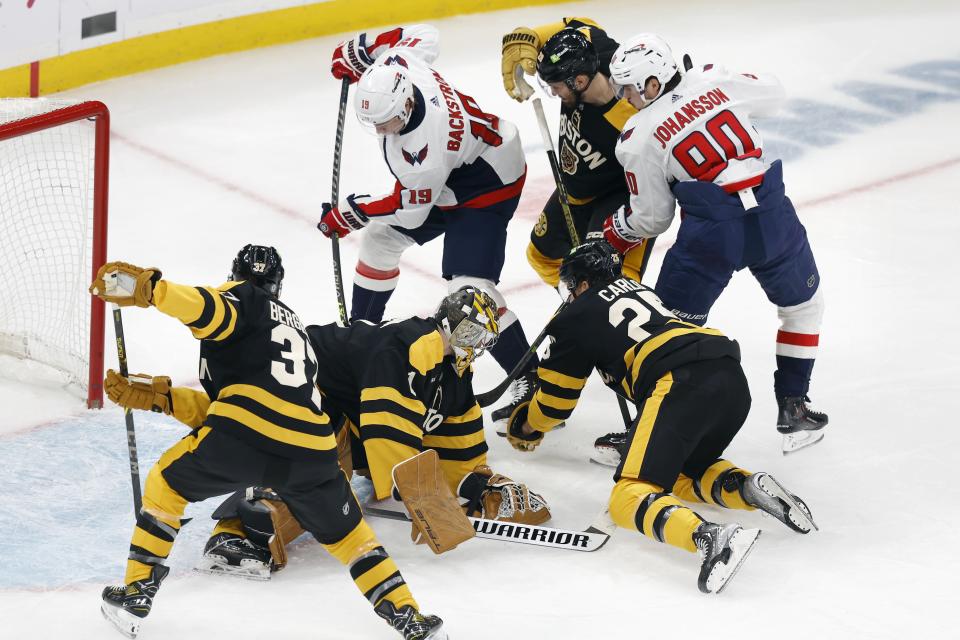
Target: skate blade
793 442
741 544
259 572
123 621
606 458
800 517
437 634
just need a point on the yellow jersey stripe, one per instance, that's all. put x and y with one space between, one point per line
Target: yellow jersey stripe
633 358
560 379
388 419
426 352
538 420
641 436
475 413
274 403
272 431
454 442
389 393
619 113
563 404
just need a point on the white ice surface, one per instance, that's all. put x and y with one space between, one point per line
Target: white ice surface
211 155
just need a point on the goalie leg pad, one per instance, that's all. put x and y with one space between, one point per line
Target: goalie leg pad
436 514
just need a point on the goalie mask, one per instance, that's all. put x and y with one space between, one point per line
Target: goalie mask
261 266
383 93
594 262
638 59
470 319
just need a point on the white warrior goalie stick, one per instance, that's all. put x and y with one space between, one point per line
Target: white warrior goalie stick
590 539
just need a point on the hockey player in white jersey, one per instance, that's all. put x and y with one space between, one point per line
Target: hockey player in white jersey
693 142
459 172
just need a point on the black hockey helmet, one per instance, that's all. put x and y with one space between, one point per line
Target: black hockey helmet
596 262
471 320
261 266
566 55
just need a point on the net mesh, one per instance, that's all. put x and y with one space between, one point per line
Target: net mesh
46 239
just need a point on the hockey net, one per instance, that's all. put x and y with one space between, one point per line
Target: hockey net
54 157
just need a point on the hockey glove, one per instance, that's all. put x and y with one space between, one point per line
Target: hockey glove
515 436
519 56
343 219
618 234
350 60
139 391
496 497
125 284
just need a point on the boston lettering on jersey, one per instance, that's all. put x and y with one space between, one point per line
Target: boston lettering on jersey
453 110
687 114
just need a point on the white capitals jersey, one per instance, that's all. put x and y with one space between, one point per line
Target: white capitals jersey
701 130
451 154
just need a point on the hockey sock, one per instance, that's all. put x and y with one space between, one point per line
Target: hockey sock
719 485
229 525
647 508
368 304
371 567
511 346
150 546
792 377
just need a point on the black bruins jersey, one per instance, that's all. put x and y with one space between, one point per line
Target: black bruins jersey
257 366
589 133
393 381
623 331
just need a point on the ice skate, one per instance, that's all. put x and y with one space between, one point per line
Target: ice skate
522 389
761 490
411 624
800 425
230 555
608 449
722 549
125 606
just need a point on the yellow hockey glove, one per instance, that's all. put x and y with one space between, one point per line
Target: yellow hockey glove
125 284
515 436
139 391
519 57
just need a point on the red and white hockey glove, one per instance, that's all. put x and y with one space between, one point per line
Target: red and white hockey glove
350 60
343 219
618 234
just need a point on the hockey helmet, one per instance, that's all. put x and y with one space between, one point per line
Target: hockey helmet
470 318
261 266
641 57
566 55
596 262
382 94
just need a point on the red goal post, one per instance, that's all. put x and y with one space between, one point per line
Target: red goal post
54 167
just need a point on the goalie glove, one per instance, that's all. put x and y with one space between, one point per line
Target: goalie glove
515 436
618 234
343 219
139 391
497 497
125 284
519 56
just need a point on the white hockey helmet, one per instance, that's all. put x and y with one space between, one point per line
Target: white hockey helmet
382 94
640 57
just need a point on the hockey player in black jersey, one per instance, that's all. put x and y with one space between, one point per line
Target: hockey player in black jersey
572 58
257 422
691 396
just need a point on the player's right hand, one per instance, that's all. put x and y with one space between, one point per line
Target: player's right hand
515 435
347 61
125 284
617 234
139 391
519 56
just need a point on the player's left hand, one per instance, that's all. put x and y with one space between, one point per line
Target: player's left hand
617 234
516 435
125 284
343 219
519 56
347 62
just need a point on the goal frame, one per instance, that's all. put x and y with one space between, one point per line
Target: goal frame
97 111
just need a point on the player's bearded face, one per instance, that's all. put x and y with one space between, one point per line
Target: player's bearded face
562 91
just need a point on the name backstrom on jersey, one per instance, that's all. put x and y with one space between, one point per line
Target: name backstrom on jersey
453 110
285 316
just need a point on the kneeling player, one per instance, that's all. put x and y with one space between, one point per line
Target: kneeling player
692 399
263 426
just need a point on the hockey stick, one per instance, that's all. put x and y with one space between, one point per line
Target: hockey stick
590 539
128 413
487 398
334 199
568 215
